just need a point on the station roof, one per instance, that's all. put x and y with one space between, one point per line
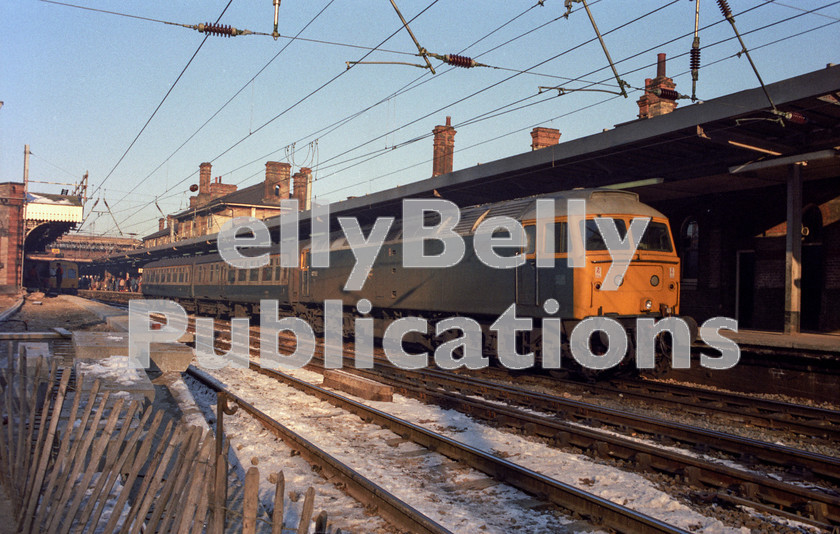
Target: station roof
727 144
684 153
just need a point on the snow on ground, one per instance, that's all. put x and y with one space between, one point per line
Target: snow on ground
250 440
396 467
114 369
427 481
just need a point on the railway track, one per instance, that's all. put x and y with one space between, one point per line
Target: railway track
563 428
396 511
730 485
763 413
596 509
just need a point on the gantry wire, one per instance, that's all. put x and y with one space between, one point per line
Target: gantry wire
171 88
310 94
779 40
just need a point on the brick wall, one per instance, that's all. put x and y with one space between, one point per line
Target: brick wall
11 240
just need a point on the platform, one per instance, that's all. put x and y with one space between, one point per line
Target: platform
757 340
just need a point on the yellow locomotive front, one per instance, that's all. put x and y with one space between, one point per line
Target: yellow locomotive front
650 284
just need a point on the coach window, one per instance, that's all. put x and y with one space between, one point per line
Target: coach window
254 275
690 250
266 276
242 274
231 275
530 239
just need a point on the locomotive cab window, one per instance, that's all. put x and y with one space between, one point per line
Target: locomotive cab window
594 239
656 238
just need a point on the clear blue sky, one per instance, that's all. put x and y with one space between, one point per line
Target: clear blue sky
79 85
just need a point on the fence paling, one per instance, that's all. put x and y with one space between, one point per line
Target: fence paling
49 474
114 464
76 466
29 514
157 469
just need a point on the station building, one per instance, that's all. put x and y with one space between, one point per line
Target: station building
29 222
217 203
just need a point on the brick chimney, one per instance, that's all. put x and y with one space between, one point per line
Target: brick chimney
651 105
204 171
444 146
276 182
542 137
301 188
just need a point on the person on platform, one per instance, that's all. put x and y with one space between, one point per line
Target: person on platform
59 274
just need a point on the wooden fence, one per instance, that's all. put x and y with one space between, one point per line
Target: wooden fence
99 464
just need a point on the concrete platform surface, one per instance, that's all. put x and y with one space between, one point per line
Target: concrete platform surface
116 376
828 343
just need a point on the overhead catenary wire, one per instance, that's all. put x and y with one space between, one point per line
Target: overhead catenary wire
330 128
303 99
149 120
409 86
779 21
506 79
477 119
577 110
484 89
223 106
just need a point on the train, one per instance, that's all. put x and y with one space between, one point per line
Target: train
41 274
650 287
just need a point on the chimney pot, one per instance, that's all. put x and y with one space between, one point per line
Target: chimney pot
204 172
542 137
301 188
276 181
651 105
444 147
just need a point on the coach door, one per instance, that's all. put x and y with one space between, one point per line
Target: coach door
305 259
526 274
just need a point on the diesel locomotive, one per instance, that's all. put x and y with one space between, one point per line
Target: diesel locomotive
649 287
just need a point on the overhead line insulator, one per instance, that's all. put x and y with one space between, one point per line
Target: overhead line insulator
695 59
221 30
724 8
794 117
797 118
667 94
459 61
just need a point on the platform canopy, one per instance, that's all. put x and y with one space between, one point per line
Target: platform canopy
697 149
58 208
